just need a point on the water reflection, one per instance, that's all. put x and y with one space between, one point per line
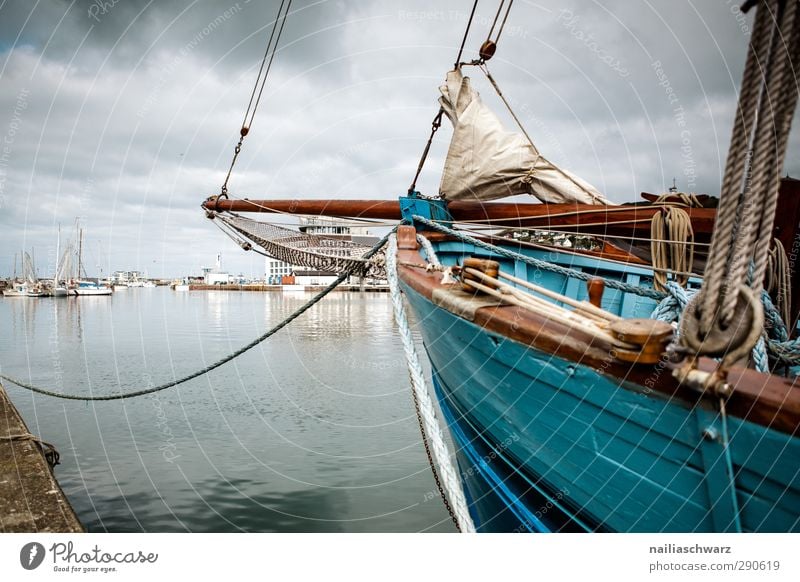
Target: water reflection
311 431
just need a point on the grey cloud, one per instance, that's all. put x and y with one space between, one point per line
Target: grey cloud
132 127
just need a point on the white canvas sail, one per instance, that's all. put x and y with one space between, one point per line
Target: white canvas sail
486 162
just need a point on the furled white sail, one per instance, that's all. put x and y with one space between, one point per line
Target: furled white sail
486 162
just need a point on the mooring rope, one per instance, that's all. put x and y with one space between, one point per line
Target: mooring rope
438 453
51 454
294 315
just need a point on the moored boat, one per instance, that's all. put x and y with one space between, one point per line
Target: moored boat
573 404
85 288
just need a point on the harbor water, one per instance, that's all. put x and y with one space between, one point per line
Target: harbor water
313 430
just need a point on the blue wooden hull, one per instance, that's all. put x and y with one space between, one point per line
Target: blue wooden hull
547 444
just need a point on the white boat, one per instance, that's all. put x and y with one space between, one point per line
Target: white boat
120 287
148 285
181 287
60 291
24 290
92 288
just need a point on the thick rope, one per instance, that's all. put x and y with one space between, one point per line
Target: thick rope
426 413
758 146
723 241
51 454
778 280
672 246
430 254
539 264
294 315
775 340
771 147
754 238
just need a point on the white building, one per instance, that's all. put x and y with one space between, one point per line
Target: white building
274 269
216 276
126 277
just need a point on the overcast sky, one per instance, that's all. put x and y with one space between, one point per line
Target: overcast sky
125 112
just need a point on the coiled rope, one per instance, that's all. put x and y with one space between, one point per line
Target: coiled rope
672 246
778 282
775 342
432 437
294 315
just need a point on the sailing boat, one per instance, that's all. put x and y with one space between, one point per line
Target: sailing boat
86 286
59 287
29 286
571 409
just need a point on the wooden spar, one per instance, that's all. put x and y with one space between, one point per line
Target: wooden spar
376 209
607 220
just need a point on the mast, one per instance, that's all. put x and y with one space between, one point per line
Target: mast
80 252
58 255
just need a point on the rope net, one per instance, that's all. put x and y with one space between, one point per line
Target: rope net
317 252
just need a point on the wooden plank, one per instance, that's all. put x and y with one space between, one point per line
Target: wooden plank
31 499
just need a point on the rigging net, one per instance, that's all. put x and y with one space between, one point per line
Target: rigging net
327 254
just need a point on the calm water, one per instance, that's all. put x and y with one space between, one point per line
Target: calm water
314 430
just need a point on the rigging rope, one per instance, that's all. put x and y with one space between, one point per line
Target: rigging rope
750 186
539 264
500 30
294 315
466 34
432 436
261 79
482 66
437 120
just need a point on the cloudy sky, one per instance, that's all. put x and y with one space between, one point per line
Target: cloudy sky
125 112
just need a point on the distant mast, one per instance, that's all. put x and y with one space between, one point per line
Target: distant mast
80 252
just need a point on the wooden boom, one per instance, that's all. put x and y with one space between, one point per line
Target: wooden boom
586 218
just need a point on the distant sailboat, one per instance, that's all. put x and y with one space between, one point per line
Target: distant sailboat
59 288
